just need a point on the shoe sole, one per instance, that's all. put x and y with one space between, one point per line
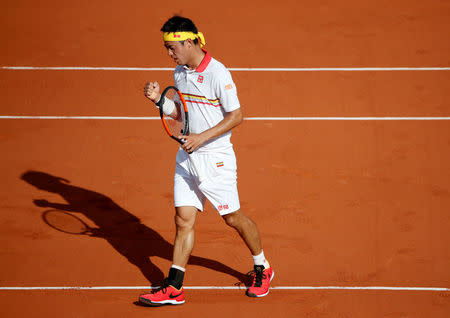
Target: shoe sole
262 295
161 303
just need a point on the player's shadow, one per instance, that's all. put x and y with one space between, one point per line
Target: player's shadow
120 228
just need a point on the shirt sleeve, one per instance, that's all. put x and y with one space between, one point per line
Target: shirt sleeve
226 91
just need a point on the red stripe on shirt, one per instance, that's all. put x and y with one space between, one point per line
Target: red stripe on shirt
189 94
204 103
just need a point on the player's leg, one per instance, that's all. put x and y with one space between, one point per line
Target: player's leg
220 188
246 228
263 272
172 291
185 217
188 202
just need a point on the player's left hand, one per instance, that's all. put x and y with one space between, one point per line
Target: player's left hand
193 141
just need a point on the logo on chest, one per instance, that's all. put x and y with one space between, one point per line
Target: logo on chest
200 79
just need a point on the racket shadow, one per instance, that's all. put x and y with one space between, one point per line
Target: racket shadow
137 242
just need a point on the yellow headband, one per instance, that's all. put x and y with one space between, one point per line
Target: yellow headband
182 36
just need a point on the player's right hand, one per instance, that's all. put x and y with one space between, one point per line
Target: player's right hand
151 91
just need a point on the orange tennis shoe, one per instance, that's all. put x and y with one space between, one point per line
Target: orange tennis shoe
166 295
261 281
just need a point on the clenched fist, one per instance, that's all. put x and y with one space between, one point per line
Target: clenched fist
151 91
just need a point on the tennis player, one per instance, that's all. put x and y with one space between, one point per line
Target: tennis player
214 110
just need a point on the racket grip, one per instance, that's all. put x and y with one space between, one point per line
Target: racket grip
183 141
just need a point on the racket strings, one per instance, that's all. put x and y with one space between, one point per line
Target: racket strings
176 123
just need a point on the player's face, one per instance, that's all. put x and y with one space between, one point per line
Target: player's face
177 51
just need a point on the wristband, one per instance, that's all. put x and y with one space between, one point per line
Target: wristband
168 106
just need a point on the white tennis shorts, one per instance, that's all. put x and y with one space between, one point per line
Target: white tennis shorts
201 176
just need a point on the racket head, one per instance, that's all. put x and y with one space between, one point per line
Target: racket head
66 222
178 125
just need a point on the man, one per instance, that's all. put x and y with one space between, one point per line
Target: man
214 110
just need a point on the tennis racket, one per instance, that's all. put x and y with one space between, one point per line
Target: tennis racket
174 113
175 118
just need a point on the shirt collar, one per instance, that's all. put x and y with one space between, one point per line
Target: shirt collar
205 62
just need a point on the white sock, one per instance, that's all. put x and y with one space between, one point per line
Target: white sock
260 259
179 268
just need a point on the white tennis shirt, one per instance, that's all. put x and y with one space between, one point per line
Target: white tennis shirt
210 93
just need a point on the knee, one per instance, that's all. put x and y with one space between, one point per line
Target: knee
184 221
234 219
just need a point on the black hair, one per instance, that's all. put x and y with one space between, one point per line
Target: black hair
180 24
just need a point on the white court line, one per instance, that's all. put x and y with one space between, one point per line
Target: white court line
245 69
246 118
347 118
81 117
232 288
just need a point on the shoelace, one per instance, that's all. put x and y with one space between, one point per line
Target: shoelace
258 276
162 288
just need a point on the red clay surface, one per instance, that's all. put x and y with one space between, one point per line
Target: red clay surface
242 34
315 94
338 203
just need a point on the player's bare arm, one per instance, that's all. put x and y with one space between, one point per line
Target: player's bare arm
231 120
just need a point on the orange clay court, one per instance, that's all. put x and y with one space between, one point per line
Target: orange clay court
354 214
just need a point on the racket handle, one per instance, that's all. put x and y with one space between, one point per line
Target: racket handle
183 141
